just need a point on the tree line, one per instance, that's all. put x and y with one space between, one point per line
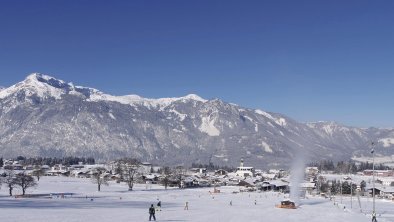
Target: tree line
346 167
345 187
212 167
51 161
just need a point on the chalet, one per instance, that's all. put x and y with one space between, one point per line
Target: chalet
8 167
248 182
203 183
29 167
275 185
16 166
386 192
311 171
189 182
265 186
151 178
77 166
386 181
145 168
45 167
379 173
308 187
199 170
220 172
377 191
269 176
59 167
280 185
80 174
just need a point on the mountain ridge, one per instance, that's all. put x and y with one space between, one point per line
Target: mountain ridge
44 116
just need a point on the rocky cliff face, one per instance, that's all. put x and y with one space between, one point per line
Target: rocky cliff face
43 116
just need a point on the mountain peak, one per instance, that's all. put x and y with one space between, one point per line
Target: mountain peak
194 97
38 84
38 77
33 76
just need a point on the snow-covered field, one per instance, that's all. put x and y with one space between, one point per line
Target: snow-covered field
115 204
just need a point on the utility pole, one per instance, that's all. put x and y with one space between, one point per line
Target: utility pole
340 183
351 194
373 182
351 188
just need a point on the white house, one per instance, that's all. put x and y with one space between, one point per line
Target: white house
387 181
244 171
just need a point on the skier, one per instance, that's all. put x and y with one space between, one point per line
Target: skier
374 217
159 205
152 213
186 206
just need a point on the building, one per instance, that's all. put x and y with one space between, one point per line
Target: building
387 182
244 171
312 171
379 173
145 168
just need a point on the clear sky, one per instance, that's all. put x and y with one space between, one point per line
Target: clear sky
310 60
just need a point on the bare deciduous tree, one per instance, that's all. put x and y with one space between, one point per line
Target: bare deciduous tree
24 181
179 173
99 177
118 169
38 172
166 174
9 180
130 168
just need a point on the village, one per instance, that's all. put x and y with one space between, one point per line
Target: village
314 182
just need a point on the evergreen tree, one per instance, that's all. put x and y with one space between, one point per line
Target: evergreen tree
363 184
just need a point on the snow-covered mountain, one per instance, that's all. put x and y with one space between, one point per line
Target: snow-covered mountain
44 116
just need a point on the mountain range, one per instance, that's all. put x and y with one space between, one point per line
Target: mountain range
45 116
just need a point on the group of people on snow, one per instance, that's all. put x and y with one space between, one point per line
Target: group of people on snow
152 210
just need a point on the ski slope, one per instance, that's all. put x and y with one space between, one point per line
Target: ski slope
115 204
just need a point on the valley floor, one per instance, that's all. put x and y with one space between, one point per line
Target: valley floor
114 203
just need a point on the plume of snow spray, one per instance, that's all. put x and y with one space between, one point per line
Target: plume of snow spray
297 177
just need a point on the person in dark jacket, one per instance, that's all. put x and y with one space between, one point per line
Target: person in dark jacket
159 205
152 212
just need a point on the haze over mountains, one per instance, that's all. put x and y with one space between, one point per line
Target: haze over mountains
44 116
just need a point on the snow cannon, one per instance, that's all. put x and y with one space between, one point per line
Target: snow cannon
286 204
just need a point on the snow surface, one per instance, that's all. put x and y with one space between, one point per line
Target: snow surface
47 86
115 204
267 148
387 142
33 86
261 112
256 126
135 99
180 115
280 121
208 126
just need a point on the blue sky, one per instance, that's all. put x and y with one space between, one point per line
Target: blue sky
310 60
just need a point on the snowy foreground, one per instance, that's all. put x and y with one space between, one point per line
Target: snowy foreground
115 204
